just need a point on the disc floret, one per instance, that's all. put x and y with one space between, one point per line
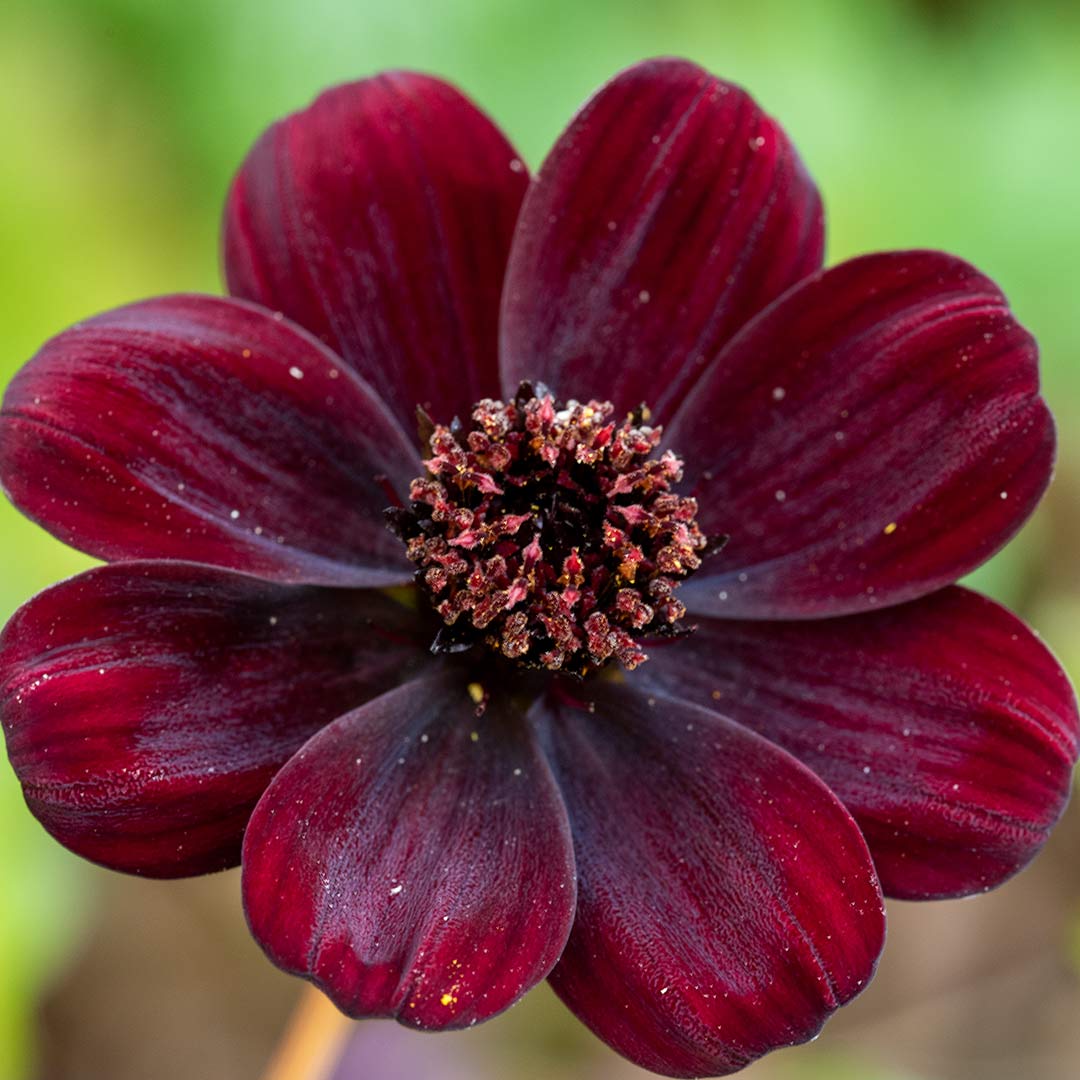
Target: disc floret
550 532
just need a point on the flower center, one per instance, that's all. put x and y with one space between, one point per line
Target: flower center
549 531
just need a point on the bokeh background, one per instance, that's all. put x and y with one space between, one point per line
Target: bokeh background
941 123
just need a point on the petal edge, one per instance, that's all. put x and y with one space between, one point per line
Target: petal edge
726 900
147 705
385 863
872 436
670 211
198 428
944 725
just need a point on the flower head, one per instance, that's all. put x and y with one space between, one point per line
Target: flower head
544 577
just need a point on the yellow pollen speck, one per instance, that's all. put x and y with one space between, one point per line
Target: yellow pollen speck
475 736
476 692
890 528
405 595
716 695
447 999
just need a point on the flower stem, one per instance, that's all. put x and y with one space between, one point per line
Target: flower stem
312 1042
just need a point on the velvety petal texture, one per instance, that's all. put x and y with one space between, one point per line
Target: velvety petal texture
191 427
146 706
414 859
872 436
726 900
669 212
945 726
380 218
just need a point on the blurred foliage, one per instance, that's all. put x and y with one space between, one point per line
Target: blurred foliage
926 123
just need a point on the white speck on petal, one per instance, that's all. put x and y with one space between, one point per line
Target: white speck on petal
296 373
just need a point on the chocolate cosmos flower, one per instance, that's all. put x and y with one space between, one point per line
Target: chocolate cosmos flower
639 668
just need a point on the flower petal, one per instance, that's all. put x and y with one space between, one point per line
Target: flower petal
147 705
670 212
872 436
726 900
197 428
944 725
380 218
414 860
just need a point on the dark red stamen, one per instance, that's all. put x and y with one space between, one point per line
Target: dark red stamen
548 532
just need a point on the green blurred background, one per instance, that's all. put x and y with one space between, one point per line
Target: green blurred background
932 123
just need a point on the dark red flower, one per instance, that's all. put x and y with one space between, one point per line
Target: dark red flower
671 675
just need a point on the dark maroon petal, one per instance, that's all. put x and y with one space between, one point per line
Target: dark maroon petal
380 218
414 860
726 900
147 705
670 212
872 436
944 725
191 427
